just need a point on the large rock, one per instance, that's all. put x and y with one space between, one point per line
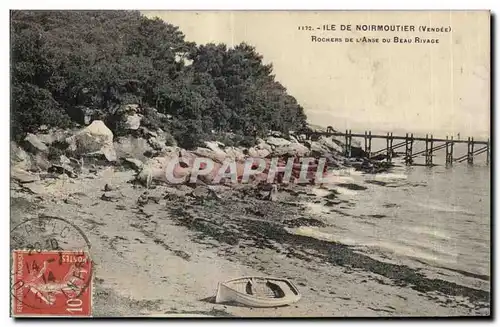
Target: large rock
133 122
293 139
34 144
132 147
215 146
19 158
255 152
318 149
93 139
165 139
277 142
214 152
261 150
234 153
109 152
292 149
181 163
156 143
155 170
22 160
64 160
41 162
217 155
331 143
23 176
53 135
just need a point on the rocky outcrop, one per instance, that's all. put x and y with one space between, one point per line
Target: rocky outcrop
96 138
133 122
261 150
317 149
214 146
277 142
155 170
49 137
255 152
19 158
132 147
283 147
331 144
23 176
292 149
146 151
34 145
156 143
234 153
25 161
41 163
217 156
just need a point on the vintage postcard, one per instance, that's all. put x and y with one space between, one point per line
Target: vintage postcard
250 164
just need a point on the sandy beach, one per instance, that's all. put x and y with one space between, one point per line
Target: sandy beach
165 256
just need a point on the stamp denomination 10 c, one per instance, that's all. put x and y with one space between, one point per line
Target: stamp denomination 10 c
54 283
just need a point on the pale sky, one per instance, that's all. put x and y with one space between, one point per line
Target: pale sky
439 88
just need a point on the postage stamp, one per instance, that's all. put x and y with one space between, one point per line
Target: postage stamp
51 269
54 283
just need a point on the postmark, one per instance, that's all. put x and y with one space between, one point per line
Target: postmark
51 269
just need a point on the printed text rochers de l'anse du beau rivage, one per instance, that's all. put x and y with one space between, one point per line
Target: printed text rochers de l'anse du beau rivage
433 32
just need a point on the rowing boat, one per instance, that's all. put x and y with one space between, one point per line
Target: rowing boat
260 292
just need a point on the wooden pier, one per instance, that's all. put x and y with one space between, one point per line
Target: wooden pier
432 145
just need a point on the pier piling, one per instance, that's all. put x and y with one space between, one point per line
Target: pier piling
431 145
369 144
391 148
449 151
409 150
348 143
427 157
388 148
470 150
366 141
407 146
431 151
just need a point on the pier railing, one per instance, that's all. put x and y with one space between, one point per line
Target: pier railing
432 145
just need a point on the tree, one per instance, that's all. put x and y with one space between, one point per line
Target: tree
63 61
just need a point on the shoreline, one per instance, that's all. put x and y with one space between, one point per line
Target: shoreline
178 245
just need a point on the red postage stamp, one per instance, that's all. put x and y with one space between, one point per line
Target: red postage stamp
51 283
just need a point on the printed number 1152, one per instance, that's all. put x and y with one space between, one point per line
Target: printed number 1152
305 28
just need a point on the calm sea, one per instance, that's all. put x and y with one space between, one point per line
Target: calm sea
435 217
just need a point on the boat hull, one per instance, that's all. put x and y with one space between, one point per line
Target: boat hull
232 292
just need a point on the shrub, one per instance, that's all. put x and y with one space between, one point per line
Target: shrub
103 59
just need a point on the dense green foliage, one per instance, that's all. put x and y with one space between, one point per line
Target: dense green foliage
66 60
